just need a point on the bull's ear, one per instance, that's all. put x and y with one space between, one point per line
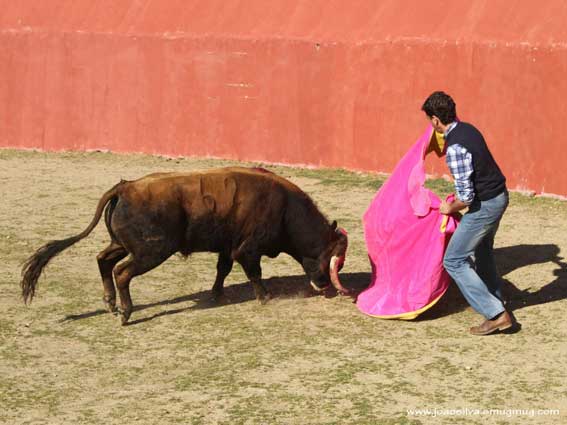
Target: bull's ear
334 225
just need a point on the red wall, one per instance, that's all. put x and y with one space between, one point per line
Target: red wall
321 82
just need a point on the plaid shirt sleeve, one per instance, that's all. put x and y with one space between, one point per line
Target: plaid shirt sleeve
460 164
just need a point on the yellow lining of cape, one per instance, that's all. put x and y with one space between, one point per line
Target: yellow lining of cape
444 222
411 314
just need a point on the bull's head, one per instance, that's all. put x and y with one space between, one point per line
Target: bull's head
326 268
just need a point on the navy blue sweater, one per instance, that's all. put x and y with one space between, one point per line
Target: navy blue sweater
487 178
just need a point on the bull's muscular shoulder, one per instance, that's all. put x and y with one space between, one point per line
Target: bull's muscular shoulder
261 174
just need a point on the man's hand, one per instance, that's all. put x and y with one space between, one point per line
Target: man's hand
450 208
445 208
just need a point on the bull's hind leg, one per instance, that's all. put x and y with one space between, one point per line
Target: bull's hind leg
224 267
123 274
107 259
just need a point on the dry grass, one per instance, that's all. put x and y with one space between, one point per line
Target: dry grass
300 359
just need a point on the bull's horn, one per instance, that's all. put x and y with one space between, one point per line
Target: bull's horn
334 274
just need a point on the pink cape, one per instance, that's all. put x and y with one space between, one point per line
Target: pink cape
406 237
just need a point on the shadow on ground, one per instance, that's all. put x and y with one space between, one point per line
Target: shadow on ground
296 286
507 258
511 258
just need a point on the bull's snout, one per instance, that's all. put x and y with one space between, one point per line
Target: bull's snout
318 288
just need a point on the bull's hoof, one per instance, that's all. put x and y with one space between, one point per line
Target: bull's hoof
218 298
263 300
110 305
124 316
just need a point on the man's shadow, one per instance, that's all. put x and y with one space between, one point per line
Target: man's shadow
509 259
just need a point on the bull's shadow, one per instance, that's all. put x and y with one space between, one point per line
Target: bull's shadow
296 286
508 259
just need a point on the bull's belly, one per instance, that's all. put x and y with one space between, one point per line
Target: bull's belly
207 237
193 246
227 243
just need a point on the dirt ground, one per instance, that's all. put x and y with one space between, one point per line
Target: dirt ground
300 359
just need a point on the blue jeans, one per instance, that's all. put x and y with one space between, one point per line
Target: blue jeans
475 237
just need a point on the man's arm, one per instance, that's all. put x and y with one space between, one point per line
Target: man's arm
460 164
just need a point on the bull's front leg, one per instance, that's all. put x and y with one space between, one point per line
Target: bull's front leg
224 267
251 266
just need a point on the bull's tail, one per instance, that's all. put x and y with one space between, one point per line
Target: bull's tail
36 263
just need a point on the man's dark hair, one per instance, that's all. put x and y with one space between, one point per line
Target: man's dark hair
442 106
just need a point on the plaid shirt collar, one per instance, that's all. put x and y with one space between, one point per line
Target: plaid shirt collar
450 128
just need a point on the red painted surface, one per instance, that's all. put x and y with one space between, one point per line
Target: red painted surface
321 82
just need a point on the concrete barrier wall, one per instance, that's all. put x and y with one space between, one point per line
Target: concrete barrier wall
325 83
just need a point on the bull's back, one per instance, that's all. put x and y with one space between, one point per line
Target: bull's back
213 208
239 195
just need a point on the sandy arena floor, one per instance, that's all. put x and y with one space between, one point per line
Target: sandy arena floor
300 359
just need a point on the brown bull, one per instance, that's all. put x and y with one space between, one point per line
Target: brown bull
240 213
